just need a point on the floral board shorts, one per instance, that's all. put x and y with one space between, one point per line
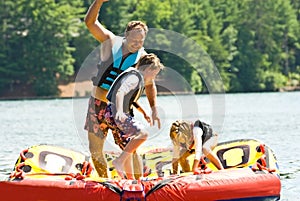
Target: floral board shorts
122 131
95 119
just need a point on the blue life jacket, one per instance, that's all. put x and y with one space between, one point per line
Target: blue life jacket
109 70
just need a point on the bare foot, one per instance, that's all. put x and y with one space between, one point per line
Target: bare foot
118 167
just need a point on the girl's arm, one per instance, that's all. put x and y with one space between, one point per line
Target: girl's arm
197 133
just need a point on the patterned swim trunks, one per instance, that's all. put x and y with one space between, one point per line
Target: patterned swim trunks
95 119
124 131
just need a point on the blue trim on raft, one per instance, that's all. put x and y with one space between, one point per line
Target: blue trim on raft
269 198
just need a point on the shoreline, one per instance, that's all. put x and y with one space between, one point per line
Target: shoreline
83 90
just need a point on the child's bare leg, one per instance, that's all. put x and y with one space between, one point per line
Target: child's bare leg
131 147
135 142
215 160
128 167
119 163
207 150
137 165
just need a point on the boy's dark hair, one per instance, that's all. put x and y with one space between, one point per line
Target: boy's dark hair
149 60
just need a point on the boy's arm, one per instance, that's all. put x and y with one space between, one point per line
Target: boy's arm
151 93
141 110
119 106
128 83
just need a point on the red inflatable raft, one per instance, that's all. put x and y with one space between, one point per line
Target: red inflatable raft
49 173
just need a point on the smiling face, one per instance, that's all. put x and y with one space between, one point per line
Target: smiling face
135 39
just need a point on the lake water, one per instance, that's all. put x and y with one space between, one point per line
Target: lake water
273 118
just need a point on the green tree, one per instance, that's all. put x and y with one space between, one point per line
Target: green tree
296 46
8 51
116 14
254 44
210 34
155 13
264 32
40 32
170 15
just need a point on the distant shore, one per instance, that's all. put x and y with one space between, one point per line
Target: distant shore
83 90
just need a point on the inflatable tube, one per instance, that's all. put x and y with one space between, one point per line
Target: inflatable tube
51 173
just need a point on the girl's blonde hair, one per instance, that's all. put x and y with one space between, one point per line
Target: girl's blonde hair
181 130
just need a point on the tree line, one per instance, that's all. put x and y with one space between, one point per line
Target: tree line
254 44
